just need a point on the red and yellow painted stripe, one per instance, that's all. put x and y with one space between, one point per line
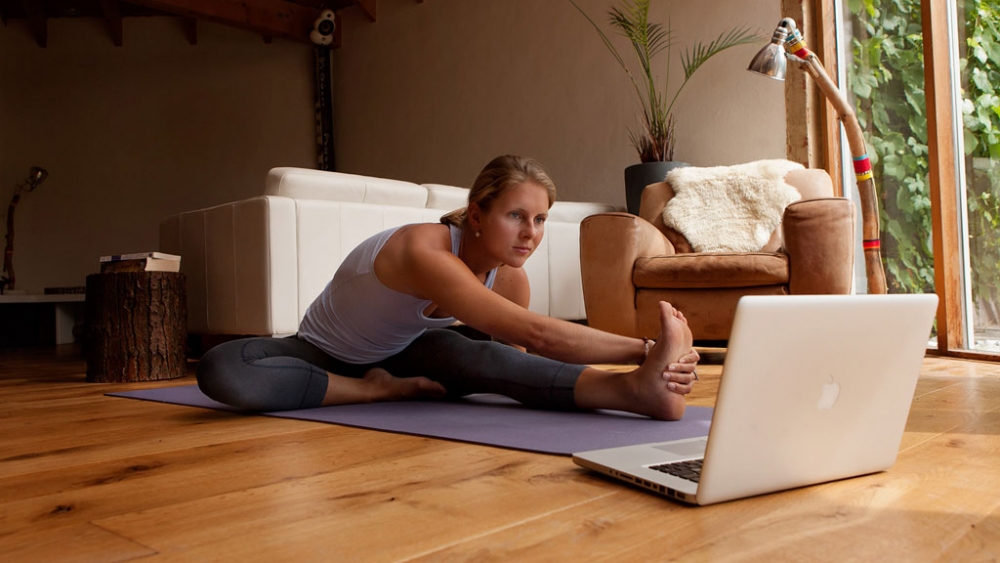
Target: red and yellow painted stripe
795 45
862 168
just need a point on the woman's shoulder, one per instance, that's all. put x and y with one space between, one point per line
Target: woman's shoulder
426 232
423 236
411 250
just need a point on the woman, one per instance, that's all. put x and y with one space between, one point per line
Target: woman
378 331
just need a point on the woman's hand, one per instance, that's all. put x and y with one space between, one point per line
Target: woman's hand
682 374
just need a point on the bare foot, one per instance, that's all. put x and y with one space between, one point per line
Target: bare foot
384 386
644 390
651 395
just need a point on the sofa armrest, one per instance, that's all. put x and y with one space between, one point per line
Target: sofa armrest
819 236
610 243
239 260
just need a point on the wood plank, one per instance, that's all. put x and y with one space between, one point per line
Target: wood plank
831 147
107 479
277 18
452 494
909 511
942 163
82 493
81 542
95 429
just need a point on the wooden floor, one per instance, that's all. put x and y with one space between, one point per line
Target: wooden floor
84 477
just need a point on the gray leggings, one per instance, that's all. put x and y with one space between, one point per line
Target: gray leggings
274 374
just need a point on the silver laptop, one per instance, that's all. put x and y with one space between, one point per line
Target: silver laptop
814 389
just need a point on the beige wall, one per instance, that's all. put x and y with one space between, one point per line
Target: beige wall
132 134
433 90
429 93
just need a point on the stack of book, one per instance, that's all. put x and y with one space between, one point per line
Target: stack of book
140 262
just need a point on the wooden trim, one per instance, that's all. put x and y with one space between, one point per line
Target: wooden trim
943 163
825 46
800 103
976 355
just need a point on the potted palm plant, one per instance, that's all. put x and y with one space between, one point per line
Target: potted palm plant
654 140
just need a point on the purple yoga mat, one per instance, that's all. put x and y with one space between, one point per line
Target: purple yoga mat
492 420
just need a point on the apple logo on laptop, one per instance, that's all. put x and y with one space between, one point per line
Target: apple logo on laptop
829 395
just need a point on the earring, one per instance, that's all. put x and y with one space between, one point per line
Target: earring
476 234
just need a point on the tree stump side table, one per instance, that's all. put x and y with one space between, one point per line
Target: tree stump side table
136 326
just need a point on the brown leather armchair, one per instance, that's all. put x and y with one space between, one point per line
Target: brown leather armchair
631 263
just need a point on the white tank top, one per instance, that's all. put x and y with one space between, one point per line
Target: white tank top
358 320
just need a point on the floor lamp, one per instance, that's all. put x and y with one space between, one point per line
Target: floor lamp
770 61
36 176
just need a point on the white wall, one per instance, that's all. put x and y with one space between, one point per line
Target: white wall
433 90
132 134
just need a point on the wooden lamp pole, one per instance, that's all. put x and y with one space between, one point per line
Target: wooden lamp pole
770 61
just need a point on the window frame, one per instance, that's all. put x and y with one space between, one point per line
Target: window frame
943 160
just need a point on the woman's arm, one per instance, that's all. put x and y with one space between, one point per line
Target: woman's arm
512 284
418 261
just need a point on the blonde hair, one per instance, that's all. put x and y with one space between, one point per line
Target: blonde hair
501 173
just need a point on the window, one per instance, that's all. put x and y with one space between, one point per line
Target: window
924 76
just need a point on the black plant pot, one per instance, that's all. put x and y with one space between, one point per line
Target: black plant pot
638 176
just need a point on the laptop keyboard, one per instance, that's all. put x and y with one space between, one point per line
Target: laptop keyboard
690 469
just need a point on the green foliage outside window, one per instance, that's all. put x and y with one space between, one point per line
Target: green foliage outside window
887 80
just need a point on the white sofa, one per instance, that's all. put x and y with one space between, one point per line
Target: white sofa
254 266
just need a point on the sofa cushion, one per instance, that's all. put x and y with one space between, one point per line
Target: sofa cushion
711 270
305 183
327 231
577 211
450 197
444 197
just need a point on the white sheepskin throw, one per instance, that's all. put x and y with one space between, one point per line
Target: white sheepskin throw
729 208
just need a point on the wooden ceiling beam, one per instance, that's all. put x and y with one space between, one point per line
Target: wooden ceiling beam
275 18
320 4
39 22
113 16
190 26
370 8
